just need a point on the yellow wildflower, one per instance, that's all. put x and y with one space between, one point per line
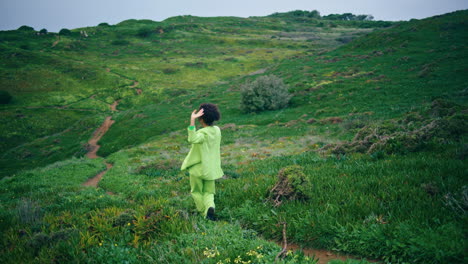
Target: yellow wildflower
211 253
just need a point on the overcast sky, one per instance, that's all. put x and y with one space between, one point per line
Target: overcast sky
57 14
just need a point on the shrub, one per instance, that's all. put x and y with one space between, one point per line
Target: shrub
120 42
43 31
145 32
65 32
103 24
292 184
170 70
26 28
265 93
124 218
411 133
195 64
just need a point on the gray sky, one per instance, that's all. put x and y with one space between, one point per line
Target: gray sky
57 14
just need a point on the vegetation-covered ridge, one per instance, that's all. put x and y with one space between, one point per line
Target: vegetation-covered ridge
71 77
374 133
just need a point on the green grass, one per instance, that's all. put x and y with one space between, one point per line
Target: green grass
398 207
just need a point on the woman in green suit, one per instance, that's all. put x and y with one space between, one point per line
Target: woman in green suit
203 162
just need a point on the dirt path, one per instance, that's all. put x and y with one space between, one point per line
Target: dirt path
94 146
93 142
324 256
134 85
56 42
95 180
113 106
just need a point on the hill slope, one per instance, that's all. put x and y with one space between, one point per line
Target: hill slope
377 125
71 79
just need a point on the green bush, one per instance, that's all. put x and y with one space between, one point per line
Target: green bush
265 93
120 42
292 184
65 32
145 32
26 28
5 97
43 31
170 70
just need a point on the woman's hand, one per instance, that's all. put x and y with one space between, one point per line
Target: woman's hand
195 115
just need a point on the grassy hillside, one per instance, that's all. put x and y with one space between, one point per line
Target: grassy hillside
378 125
71 79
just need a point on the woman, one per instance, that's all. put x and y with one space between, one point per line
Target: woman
204 160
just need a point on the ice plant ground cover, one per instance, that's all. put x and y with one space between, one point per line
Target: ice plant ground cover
377 125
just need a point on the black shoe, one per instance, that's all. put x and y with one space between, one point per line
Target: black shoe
210 215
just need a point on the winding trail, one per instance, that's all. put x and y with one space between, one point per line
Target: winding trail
56 42
134 85
324 256
94 146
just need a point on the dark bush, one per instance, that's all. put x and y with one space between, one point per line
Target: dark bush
38 241
65 32
25 47
265 93
170 70
145 32
104 24
26 28
43 31
195 64
120 42
344 39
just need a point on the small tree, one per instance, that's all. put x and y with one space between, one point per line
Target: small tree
265 93
26 28
43 31
65 32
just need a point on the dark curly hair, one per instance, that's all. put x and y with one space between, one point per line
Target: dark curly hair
210 113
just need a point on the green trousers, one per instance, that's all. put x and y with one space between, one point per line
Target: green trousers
202 191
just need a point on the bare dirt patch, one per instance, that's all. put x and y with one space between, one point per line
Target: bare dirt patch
324 256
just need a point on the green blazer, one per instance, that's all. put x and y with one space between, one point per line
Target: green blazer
205 151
